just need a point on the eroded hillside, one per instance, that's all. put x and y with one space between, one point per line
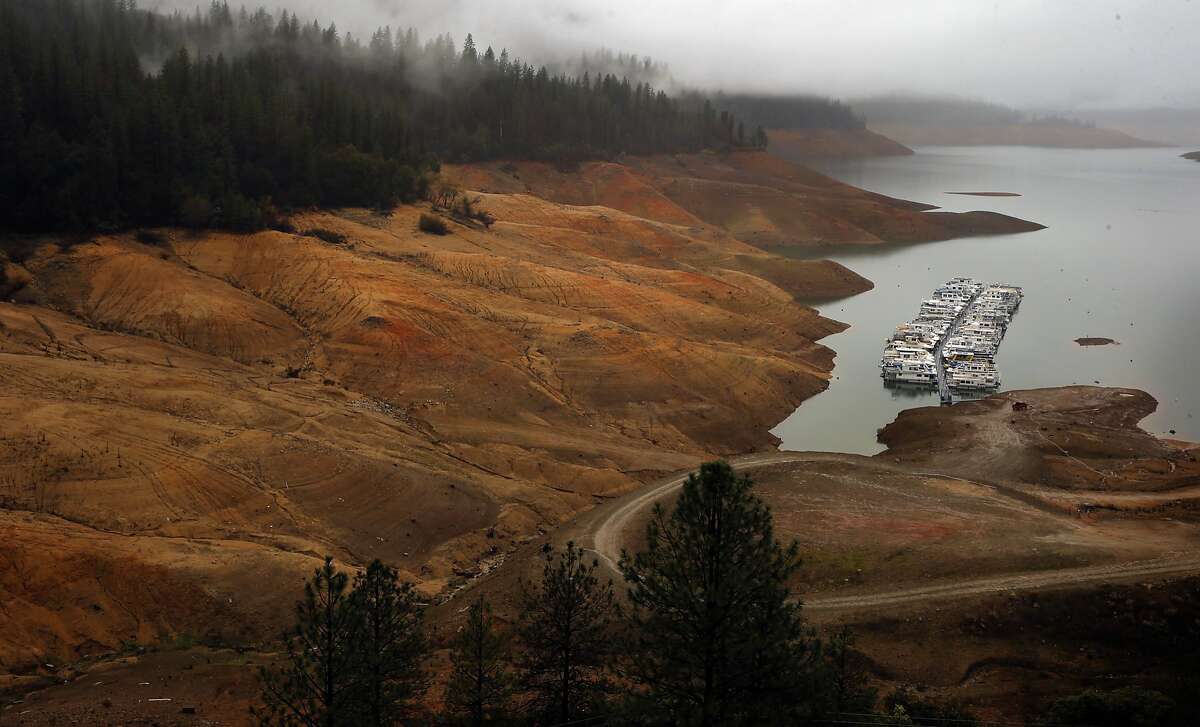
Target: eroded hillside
759 198
189 421
180 418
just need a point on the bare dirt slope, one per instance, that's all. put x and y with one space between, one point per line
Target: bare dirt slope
759 198
975 556
219 404
188 425
1069 438
801 144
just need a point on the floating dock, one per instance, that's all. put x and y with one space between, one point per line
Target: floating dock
952 343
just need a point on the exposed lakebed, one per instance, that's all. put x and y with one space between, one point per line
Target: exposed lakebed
1120 254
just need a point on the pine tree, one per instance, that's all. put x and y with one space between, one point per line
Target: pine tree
565 632
470 55
316 686
845 680
480 685
390 646
717 639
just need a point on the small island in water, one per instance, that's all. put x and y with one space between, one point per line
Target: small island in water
1193 155
1096 342
987 194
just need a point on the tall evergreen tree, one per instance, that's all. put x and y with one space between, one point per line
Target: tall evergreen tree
565 631
718 640
846 681
390 646
316 685
481 685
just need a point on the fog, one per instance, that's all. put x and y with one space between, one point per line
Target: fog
1060 54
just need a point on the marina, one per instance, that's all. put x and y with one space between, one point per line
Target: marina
952 343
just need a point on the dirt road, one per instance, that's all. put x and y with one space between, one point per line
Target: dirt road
605 529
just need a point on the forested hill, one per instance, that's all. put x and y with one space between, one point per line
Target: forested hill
790 112
113 116
936 110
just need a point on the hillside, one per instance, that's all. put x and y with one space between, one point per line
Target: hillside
759 198
1049 134
919 120
801 144
1175 126
417 399
189 413
964 555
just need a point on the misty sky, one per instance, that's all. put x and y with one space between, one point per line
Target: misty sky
1059 54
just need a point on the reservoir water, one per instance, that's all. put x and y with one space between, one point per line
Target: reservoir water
1120 259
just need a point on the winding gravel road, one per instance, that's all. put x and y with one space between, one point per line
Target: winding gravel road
604 529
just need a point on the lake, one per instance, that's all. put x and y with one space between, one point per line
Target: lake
1119 259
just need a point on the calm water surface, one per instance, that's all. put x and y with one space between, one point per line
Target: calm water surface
1119 259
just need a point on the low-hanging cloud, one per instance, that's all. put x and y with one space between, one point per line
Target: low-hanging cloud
1060 54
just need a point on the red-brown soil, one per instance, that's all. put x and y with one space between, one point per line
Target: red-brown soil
224 404
759 198
1070 438
187 428
400 396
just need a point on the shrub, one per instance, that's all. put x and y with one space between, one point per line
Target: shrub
196 212
351 178
333 238
433 225
241 214
282 224
468 209
1132 706
926 710
151 237
17 249
444 195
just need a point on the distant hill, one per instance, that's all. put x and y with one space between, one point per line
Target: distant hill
789 112
915 110
802 144
1027 133
805 127
928 121
1177 126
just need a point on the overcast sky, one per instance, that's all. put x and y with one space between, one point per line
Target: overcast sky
1062 54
